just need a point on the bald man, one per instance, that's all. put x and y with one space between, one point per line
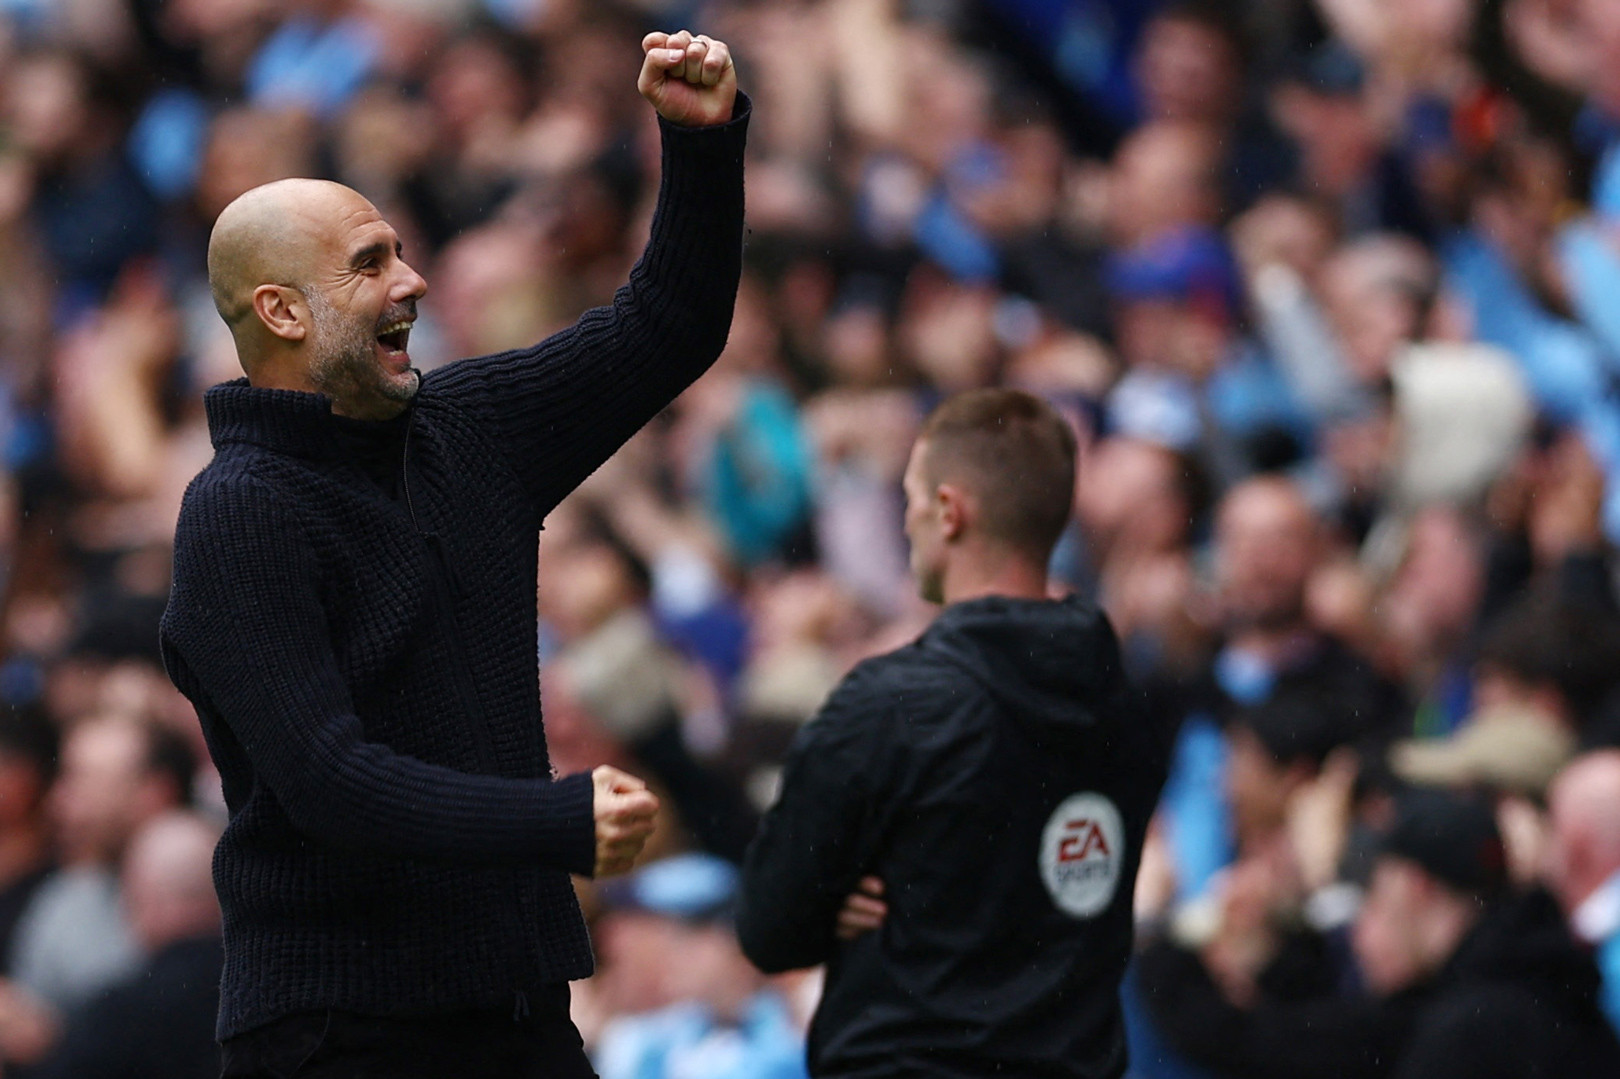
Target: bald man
353 616
1584 860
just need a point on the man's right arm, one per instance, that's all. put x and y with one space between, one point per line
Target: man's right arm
816 841
246 638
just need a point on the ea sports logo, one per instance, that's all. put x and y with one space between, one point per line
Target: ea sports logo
1082 852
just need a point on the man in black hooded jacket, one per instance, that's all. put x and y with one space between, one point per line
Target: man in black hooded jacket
1469 977
992 776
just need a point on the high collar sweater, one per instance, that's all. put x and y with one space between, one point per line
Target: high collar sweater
362 652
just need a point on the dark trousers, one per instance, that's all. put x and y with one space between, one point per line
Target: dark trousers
535 1039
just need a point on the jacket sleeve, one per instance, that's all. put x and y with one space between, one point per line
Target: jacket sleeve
1330 1037
245 637
1492 1031
815 842
562 407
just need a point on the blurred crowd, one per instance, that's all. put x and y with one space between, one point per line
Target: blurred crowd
1329 288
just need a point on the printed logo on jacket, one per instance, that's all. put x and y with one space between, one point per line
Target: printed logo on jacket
1082 854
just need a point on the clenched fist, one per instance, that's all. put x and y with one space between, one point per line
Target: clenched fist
688 78
624 810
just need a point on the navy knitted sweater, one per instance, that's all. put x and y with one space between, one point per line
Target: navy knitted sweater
364 666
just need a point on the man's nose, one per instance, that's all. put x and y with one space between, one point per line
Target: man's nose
410 286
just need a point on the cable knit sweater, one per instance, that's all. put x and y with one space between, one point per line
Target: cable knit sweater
364 664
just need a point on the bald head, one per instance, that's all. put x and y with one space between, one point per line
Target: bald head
1584 805
1165 177
270 236
313 284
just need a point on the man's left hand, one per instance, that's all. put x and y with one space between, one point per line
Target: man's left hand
863 911
688 78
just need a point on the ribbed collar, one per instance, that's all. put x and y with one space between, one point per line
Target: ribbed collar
291 421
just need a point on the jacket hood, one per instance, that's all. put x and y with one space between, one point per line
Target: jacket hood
1054 664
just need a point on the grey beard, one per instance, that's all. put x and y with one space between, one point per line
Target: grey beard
345 363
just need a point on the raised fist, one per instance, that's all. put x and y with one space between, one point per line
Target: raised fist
688 78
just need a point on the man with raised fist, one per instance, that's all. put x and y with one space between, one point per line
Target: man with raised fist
352 614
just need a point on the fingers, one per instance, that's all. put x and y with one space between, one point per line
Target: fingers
627 815
670 57
665 59
859 916
692 69
866 905
614 860
694 58
849 926
689 78
716 59
631 806
864 910
610 780
624 821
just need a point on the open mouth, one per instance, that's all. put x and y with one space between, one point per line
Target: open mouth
395 336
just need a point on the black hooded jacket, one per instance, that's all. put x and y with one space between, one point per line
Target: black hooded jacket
995 775
1518 1000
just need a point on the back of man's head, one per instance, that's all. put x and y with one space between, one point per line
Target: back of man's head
1015 454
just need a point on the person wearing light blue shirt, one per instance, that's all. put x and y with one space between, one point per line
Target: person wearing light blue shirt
724 1022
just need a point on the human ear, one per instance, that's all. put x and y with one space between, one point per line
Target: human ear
953 510
282 310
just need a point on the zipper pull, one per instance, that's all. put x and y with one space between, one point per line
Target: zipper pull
520 1006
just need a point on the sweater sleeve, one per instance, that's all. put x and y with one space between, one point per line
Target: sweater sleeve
246 638
562 407
813 844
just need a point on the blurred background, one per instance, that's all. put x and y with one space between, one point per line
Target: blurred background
1329 288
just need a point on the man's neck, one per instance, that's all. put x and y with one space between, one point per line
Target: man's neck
994 573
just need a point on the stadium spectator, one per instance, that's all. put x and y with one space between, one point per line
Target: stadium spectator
1510 990
716 1017
1268 545
158 1023
1553 656
1584 861
1419 200
1464 976
117 773
28 762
